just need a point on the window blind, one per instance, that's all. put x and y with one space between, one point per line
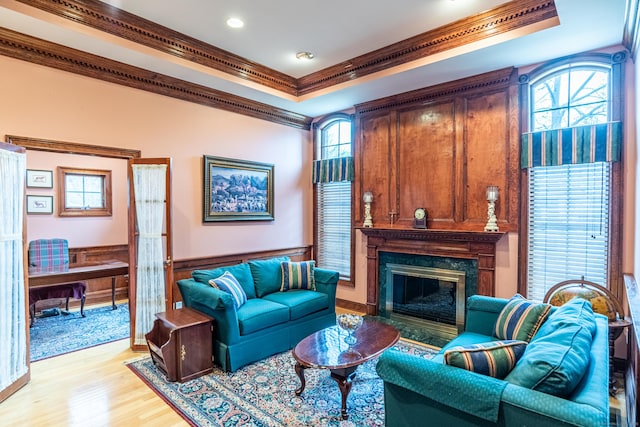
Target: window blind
334 227
568 225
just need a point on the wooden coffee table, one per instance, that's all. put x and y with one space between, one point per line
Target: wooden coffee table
326 349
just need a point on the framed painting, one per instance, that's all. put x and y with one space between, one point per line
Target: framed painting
237 190
39 178
40 205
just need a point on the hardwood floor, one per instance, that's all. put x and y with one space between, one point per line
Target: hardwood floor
91 387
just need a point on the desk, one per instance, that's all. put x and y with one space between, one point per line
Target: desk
40 277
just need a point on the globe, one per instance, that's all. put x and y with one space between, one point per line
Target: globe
601 300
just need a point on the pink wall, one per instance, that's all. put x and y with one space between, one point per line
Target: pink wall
80 231
45 103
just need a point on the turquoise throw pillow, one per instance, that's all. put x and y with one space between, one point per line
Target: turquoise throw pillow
576 311
267 275
298 275
241 272
520 319
557 358
495 359
229 284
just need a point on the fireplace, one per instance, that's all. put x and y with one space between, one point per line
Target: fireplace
426 297
470 252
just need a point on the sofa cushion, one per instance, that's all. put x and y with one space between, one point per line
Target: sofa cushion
228 283
241 272
576 311
559 355
520 319
300 302
495 358
259 314
298 275
267 275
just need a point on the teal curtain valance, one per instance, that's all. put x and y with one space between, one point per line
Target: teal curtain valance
333 170
581 144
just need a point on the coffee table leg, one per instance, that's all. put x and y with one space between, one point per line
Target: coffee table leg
344 378
300 372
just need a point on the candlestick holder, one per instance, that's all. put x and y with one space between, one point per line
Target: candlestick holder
367 198
492 197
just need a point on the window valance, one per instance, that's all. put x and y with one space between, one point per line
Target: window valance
581 144
333 170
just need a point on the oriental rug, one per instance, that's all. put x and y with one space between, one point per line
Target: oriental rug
56 335
263 394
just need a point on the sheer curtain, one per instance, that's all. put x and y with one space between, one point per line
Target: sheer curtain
13 340
149 184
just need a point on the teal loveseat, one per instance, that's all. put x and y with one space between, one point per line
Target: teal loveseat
270 321
420 392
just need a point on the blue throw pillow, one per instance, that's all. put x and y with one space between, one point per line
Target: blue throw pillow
228 283
520 319
557 358
267 275
241 272
298 275
495 358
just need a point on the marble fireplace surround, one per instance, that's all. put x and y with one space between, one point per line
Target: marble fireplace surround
478 246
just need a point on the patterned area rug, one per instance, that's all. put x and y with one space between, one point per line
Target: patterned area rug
263 394
56 335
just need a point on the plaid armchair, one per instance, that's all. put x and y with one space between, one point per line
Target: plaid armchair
53 254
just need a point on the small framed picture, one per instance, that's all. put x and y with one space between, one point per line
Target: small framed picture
40 205
39 178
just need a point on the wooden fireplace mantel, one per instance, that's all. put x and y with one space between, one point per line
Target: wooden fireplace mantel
478 245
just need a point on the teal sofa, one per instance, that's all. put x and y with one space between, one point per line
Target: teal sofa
270 321
419 392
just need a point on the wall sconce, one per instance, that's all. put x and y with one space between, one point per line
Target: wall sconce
492 197
367 198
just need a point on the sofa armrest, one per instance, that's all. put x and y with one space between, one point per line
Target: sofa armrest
214 303
447 385
327 282
482 312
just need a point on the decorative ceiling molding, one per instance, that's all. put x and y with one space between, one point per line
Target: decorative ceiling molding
110 19
494 80
42 52
101 16
507 17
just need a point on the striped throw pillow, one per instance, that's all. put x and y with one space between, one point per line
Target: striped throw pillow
495 359
228 283
298 275
520 319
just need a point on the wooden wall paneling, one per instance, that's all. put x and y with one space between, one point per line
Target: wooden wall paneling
485 150
373 173
426 166
451 142
182 268
511 197
99 290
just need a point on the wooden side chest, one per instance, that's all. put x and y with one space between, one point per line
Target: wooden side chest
180 344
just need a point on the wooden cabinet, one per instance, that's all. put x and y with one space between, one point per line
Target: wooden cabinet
180 344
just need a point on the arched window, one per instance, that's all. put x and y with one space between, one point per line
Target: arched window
333 173
571 199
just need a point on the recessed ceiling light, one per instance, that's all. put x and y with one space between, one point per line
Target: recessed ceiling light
304 56
235 23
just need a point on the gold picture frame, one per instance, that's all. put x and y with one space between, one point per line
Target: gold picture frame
237 190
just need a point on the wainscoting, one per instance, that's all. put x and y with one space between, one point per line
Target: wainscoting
182 268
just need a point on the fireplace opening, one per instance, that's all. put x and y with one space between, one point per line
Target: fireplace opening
426 297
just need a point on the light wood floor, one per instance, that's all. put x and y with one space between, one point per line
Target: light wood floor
91 387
